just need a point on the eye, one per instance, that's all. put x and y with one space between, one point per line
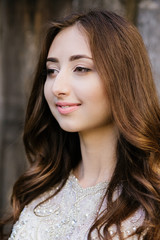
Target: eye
52 71
82 70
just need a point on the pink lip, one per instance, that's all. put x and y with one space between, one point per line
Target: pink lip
65 108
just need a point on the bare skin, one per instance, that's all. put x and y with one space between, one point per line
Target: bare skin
98 156
77 99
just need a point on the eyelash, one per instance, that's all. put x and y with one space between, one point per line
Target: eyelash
50 71
82 69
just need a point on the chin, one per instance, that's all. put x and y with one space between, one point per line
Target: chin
69 128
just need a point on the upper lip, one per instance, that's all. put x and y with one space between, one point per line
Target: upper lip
66 104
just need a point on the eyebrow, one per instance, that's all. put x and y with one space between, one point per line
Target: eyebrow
72 58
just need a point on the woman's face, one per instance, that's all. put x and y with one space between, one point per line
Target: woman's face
73 88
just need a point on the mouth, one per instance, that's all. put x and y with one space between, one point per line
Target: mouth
65 108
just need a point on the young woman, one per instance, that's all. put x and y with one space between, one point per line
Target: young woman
92 136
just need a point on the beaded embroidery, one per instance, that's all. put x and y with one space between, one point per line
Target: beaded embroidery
68 215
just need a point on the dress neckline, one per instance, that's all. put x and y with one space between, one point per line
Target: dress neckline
75 183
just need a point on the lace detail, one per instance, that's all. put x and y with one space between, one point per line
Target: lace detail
68 215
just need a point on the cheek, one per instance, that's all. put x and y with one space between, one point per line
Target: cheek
46 91
99 99
88 90
97 94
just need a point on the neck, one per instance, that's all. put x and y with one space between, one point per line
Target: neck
98 150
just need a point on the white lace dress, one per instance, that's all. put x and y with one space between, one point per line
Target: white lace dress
68 215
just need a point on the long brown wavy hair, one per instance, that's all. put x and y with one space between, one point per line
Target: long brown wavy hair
122 63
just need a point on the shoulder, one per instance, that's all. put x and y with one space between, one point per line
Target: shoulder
130 225
24 228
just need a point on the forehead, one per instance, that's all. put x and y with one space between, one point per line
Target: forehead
71 40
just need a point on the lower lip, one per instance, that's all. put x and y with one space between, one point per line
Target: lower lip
68 109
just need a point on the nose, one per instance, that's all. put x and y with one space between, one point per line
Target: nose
61 84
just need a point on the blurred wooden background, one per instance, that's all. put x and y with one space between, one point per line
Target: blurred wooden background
21 31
